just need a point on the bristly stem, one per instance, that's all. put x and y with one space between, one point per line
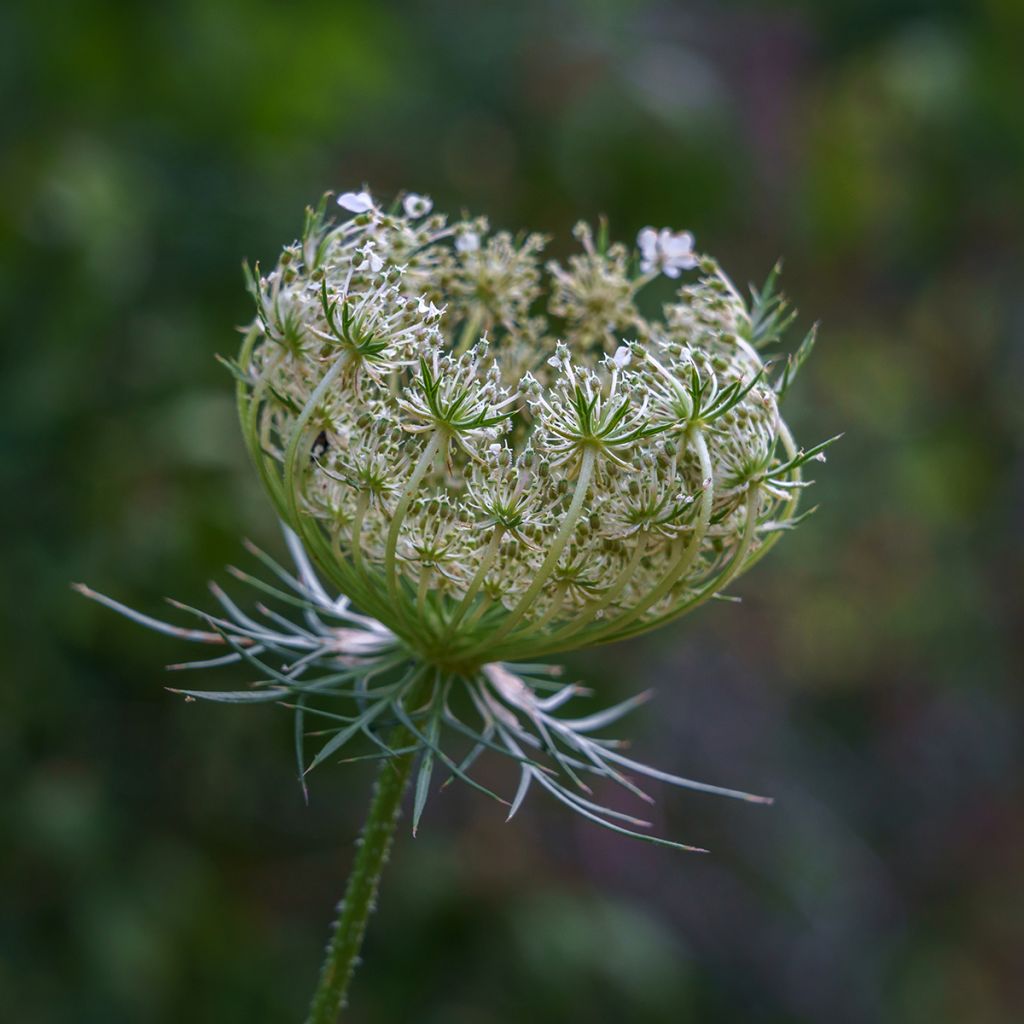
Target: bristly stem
361 892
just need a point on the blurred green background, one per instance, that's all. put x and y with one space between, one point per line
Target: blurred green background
158 860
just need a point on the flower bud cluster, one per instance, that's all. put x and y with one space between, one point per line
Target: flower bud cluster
499 458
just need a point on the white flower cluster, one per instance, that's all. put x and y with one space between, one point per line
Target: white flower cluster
499 462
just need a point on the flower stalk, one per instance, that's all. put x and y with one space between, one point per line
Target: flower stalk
358 903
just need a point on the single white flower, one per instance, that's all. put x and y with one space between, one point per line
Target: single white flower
356 202
622 357
665 251
416 205
467 241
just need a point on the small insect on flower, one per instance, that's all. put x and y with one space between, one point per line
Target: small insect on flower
496 460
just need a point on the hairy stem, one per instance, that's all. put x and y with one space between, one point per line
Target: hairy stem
361 892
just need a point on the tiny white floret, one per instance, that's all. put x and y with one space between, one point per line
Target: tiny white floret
467 241
667 252
369 251
416 205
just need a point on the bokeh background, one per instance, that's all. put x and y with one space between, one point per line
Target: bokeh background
159 863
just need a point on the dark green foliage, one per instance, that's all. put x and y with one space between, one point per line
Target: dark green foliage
160 863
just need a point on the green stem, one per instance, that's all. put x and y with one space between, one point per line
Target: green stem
551 561
426 461
361 892
470 330
682 564
481 574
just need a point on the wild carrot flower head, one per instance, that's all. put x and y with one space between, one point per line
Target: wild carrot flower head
494 459
498 458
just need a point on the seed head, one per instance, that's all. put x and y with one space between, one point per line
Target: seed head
496 459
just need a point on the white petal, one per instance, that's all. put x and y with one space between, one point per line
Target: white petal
468 241
356 202
647 240
680 245
622 356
